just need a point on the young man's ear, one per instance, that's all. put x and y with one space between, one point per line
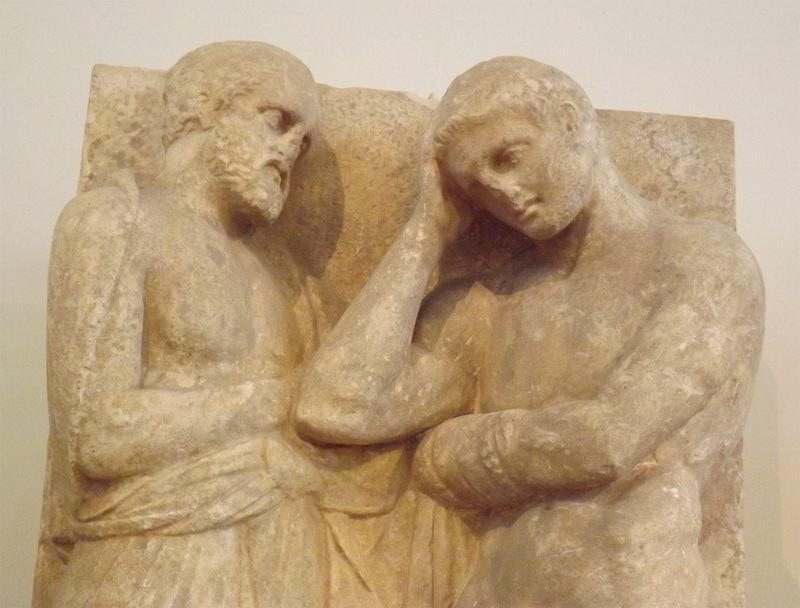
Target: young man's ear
568 116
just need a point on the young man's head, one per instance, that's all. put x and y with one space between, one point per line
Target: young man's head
519 139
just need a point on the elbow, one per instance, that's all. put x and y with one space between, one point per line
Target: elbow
596 447
96 455
615 458
604 461
313 425
313 415
328 414
606 470
104 452
328 422
593 469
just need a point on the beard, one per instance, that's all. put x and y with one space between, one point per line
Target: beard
236 158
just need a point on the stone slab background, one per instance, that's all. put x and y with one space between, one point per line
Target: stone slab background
736 60
356 185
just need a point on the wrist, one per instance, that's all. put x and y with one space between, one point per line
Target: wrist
429 234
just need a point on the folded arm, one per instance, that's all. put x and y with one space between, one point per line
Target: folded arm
706 332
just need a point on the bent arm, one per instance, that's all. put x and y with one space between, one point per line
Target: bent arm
367 383
131 431
706 336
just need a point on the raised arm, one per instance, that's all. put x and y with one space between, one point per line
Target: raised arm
111 425
701 341
368 383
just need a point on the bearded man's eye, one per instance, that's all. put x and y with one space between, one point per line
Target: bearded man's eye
276 119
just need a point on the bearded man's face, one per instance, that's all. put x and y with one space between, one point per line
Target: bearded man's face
251 151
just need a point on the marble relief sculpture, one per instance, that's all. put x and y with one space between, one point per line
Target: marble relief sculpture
455 360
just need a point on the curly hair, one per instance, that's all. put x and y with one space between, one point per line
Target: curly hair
505 85
204 83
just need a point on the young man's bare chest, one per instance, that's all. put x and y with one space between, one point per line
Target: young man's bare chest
556 336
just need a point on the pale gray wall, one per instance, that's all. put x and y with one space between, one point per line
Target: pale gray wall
736 60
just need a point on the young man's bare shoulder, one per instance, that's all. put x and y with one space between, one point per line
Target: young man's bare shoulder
709 255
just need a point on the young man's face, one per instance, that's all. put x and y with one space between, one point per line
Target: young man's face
251 151
521 173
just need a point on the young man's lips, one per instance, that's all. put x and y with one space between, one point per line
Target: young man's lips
530 209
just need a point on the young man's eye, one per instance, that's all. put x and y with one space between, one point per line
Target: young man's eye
506 159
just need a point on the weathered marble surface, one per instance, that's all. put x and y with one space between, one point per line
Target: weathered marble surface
385 543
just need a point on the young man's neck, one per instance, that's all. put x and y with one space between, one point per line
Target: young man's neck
611 211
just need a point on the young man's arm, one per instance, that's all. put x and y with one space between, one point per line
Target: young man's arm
368 383
705 335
